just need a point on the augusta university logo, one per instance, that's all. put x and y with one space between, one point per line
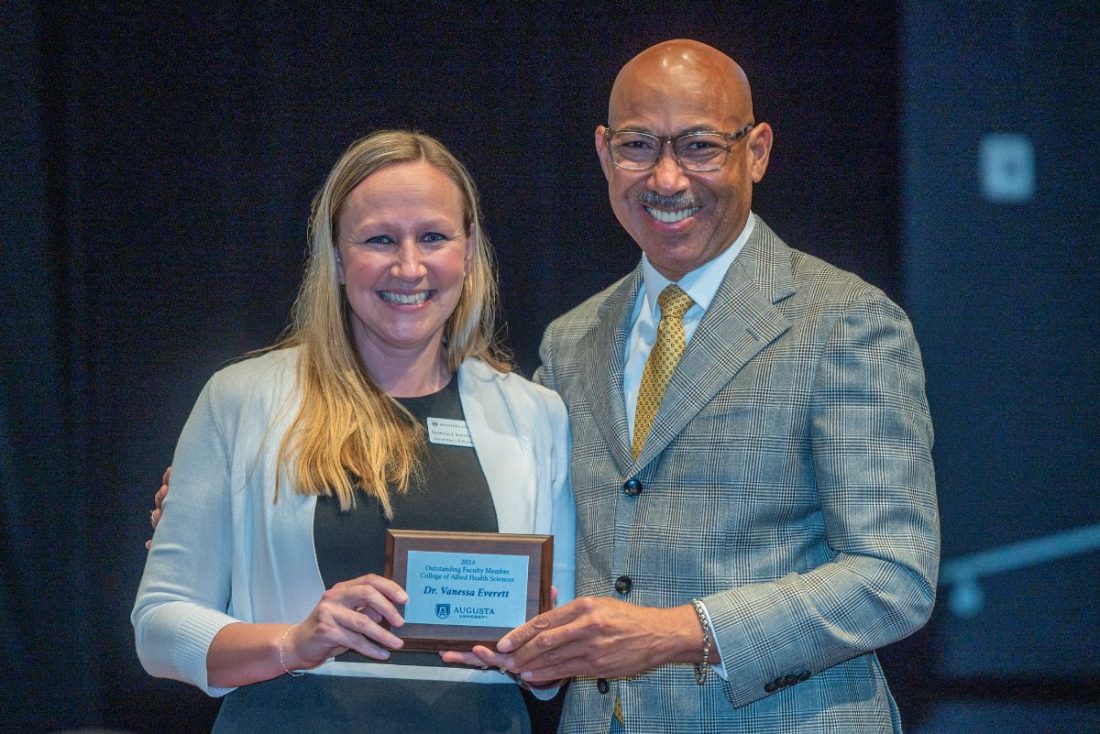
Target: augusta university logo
442 610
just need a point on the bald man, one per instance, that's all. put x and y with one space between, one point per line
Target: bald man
744 547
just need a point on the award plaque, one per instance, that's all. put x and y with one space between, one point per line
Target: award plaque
467 589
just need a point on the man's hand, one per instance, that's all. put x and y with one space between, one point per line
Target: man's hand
158 504
485 657
602 637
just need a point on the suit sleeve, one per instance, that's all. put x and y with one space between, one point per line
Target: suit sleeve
565 511
870 440
544 373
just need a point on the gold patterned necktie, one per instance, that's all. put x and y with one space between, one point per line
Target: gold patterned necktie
662 361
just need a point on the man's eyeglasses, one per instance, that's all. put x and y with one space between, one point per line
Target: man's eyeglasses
699 152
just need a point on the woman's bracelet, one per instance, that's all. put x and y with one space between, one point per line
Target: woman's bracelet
703 667
282 660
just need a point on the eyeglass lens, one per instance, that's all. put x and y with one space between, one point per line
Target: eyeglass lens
695 151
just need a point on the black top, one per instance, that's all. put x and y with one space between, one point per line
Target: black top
452 494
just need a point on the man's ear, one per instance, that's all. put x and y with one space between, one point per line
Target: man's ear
759 147
602 151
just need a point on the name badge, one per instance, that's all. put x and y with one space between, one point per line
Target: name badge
449 432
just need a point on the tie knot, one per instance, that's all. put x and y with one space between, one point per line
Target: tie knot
674 302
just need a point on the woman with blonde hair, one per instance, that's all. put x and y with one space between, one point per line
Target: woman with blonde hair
267 561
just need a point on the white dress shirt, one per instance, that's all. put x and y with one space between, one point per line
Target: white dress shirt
701 284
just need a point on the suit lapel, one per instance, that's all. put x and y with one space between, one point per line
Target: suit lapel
602 360
742 320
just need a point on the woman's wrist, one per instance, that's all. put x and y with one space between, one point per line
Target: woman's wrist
282 653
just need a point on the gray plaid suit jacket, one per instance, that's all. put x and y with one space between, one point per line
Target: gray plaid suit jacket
787 481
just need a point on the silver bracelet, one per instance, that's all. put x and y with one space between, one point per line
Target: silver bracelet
282 660
703 667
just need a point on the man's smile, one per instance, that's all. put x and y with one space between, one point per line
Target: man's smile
671 217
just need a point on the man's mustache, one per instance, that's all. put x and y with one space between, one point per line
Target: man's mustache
681 200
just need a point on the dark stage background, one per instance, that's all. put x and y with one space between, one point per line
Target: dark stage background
158 163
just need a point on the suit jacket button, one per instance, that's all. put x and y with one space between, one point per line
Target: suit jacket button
632 487
623 585
601 685
790 680
770 687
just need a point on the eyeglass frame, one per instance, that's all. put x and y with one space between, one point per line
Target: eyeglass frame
671 140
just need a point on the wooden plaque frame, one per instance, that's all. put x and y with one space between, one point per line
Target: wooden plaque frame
539 550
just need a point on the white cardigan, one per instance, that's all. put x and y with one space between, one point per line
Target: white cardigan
226 551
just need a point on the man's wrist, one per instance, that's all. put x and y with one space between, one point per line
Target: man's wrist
702 667
682 634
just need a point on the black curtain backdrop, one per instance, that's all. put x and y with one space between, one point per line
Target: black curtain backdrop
158 164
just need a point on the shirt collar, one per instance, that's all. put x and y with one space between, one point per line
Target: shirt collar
703 282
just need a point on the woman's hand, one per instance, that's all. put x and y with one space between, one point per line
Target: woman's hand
479 657
348 617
